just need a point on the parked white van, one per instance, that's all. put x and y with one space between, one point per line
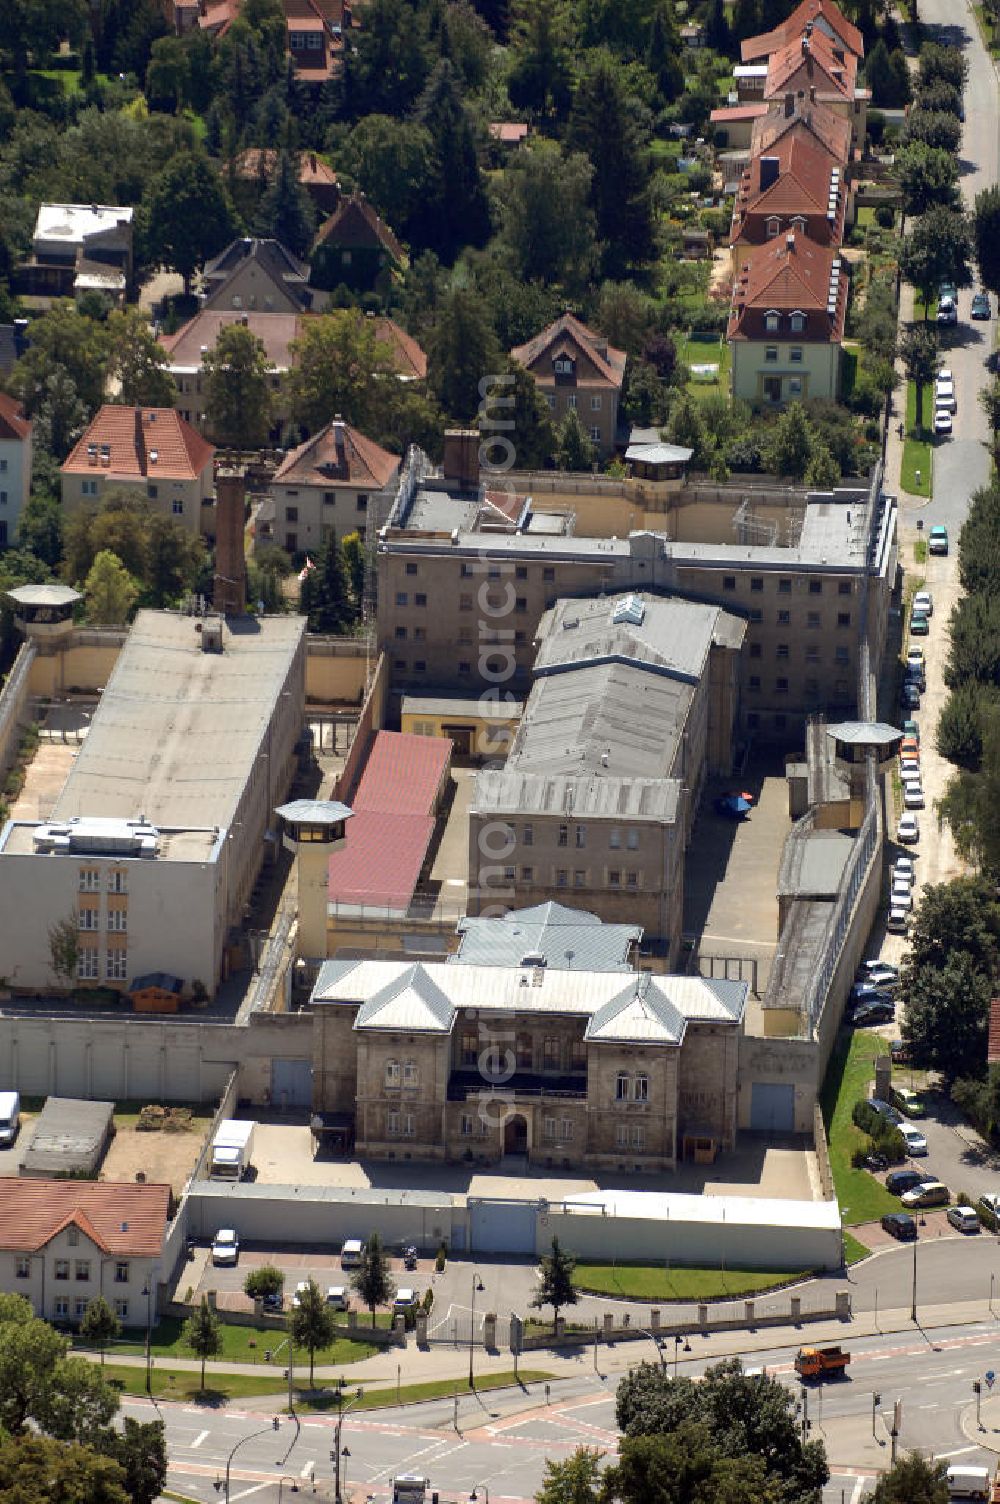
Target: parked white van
350 1254
968 1482
10 1113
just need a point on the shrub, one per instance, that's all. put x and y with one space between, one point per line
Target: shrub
428 1299
885 217
441 1258
866 1118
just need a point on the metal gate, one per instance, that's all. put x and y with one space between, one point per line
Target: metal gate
291 1083
772 1107
502 1226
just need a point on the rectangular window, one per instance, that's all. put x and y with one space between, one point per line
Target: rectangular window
784 618
781 685
465 1128
89 919
89 488
795 386
291 514
641 1092
756 583
116 965
548 1127
465 602
571 400
615 839
638 1137
402 599
614 877
729 582
72 1236
795 354
754 682
578 1055
579 879
622 1135
411 569
843 587
842 657
756 614
86 966
812 620
117 882
755 650
550 1054
621 1087
815 587
291 543
361 504
152 492
62 1308
563 835
548 573
392 1123
90 880
812 654
419 634
561 877
595 404
843 618
781 651
79 1310
528 835
784 587
22 1268
82 1269
410 1076
581 836
521 572
565 1128
632 839
521 604
771 353
401 634
465 668
121 1310
62 1269
631 879
118 921
595 434
527 874
470 1048
419 666
420 599
121 1272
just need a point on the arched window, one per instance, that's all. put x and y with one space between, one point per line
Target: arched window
773 227
772 320
798 321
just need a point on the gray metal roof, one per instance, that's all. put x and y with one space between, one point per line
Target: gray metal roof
44 595
425 997
572 939
314 812
502 791
475 707
178 730
658 454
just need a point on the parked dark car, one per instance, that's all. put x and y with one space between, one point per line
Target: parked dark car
866 1014
898 1181
901 1225
869 992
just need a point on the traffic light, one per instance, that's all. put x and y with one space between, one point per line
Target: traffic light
977 1387
876 1400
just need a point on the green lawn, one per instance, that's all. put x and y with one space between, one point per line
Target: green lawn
655 1282
920 551
854 1250
69 78
917 449
862 1198
713 350
240 1344
174 1383
986 30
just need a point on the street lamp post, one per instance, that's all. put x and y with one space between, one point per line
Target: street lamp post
876 1401
337 1453
477 1285
281 1485
913 1299
474 1496
274 1426
658 1344
148 1292
679 1342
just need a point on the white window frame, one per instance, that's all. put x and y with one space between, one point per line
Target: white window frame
87 966
772 321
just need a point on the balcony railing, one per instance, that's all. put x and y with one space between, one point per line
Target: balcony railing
472 1083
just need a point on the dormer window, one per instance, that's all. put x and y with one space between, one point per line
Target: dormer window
773 227
798 223
772 320
798 321
564 365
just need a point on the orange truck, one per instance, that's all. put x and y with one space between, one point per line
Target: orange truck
819 1362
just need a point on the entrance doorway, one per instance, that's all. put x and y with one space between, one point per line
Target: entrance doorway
515 1135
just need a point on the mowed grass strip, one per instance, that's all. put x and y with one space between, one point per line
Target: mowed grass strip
852 1066
654 1282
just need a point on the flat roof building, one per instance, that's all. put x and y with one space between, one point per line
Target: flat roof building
154 842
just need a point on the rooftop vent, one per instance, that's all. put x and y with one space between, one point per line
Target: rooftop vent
534 958
154 455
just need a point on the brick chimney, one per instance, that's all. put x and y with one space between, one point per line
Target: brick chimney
229 591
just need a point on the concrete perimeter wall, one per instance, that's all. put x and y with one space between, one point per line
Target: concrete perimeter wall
15 710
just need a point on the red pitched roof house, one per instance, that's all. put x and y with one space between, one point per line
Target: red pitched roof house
355 248
108 1236
315 32
576 368
815 68
786 324
332 483
150 449
257 165
796 186
814 122
15 466
823 15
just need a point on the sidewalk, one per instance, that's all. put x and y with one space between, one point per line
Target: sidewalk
446 1362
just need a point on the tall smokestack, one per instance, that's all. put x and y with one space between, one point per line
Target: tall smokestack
229 592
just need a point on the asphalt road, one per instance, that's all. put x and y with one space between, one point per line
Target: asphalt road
502 1442
961 463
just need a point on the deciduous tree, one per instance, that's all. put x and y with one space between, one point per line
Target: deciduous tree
372 1280
110 590
938 249
38 1470
547 221
927 175
462 352
137 361
575 1479
188 215
576 450
791 443
311 1323
237 389
986 236
936 127
100 1324
140 1450
919 350
339 366
203 1334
